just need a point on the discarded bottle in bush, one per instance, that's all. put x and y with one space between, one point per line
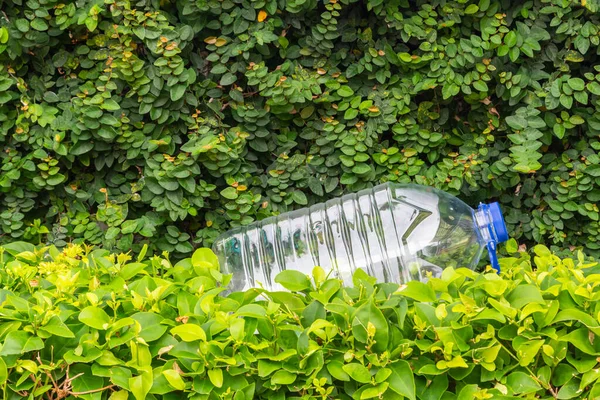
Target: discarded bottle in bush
395 232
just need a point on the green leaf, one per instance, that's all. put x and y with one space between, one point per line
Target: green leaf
402 380
576 83
510 39
345 91
216 377
471 9
228 79
55 179
56 327
140 385
528 351
139 31
594 88
5 83
188 184
418 291
229 193
593 170
22 25
174 379
516 122
368 322
468 392
3 372
110 105
205 258
189 332
152 329
376 391
20 342
81 147
481 86
522 383
252 311
177 92
576 120
94 317
566 101
39 24
299 197
350 114
283 378
361 168
307 112
525 294
87 381
580 338
293 280
570 390
357 372
336 369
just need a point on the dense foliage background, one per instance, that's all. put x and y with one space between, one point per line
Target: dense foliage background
83 323
173 120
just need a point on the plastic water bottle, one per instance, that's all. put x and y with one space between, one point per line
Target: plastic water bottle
395 232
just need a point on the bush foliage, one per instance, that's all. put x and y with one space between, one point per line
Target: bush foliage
123 121
95 325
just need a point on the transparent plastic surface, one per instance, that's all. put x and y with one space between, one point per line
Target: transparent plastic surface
395 232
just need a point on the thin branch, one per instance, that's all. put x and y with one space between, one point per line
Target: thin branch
92 391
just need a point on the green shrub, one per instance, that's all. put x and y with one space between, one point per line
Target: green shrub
87 323
123 121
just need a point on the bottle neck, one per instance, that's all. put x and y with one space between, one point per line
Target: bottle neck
483 220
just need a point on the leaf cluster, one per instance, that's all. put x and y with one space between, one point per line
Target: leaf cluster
82 322
131 123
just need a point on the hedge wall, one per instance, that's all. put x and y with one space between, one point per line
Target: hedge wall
87 324
174 120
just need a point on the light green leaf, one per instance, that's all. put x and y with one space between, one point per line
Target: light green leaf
3 371
471 9
283 377
252 310
418 291
189 332
174 379
205 258
367 318
576 83
510 39
345 91
20 342
229 193
216 377
293 280
402 379
39 24
56 327
140 385
525 294
522 383
151 325
95 317
358 372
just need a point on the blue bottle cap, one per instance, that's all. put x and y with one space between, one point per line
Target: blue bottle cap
495 230
497 220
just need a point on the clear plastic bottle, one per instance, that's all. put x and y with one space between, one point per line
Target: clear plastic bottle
395 232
